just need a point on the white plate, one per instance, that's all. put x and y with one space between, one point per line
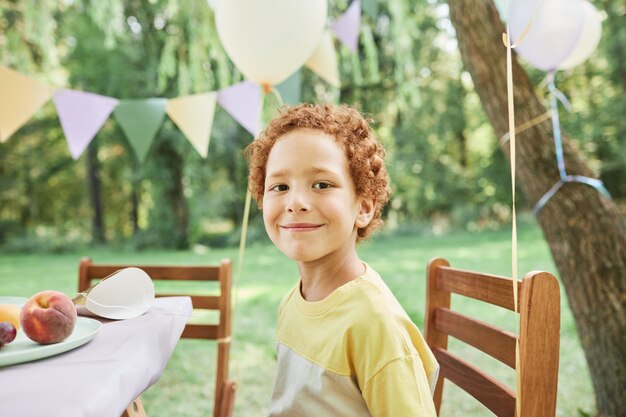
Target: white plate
22 349
18 301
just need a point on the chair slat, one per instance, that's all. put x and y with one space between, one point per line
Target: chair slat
208 302
201 331
489 288
494 395
495 342
161 272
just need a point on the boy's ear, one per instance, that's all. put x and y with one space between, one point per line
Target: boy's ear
366 212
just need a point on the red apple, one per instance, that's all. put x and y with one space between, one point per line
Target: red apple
48 317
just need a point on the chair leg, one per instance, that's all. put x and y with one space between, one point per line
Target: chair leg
227 402
135 409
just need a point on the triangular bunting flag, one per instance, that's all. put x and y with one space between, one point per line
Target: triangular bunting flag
140 120
20 98
324 60
243 102
290 88
371 8
81 115
194 116
348 25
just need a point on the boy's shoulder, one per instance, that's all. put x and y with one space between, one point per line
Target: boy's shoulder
374 291
374 303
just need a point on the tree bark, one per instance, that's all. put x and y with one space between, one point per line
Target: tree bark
173 164
95 194
134 207
584 230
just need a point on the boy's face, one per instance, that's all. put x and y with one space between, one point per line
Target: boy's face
310 207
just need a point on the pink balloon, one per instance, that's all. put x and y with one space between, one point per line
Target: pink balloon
553 34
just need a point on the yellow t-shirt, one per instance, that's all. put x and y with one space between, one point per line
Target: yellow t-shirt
355 353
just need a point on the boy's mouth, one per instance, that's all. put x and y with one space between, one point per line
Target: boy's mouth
300 227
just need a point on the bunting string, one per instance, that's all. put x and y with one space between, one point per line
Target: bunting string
525 126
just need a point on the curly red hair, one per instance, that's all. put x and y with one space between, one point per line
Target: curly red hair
365 155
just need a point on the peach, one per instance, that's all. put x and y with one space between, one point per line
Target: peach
48 317
10 313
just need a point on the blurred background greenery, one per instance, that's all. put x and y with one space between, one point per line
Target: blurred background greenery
446 168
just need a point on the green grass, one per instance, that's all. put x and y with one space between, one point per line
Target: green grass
186 387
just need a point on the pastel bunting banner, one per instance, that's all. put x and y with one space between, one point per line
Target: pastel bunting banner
290 89
348 25
82 116
140 120
20 98
194 116
243 102
324 60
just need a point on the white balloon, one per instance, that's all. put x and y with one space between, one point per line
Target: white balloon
553 34
588 40
268 40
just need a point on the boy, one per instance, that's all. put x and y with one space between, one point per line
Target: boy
345 345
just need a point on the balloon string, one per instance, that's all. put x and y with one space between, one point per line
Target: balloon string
242 245
278 96
558 147
556 127
241 255
244 234
242 249
506 37
511 110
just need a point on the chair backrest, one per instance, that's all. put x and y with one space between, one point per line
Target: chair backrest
539 309
221 332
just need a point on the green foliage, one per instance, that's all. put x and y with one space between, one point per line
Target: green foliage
444 162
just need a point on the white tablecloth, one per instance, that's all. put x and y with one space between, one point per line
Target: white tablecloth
102 377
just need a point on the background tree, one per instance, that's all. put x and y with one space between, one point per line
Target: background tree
584 230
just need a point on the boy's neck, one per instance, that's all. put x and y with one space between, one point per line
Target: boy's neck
320 278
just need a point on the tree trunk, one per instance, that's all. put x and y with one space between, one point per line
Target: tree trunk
134 207
178 203
584 230
95 195
173 164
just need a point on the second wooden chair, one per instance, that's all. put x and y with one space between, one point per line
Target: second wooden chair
221 332
539 310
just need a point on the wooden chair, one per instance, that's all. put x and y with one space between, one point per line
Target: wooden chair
224 388
539 309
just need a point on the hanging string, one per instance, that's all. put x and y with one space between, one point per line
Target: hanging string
506 38
511 109
244 222
240 257
564 178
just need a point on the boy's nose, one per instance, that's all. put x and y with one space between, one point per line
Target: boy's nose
297 202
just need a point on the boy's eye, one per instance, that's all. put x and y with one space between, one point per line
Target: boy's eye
279 187
321 185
